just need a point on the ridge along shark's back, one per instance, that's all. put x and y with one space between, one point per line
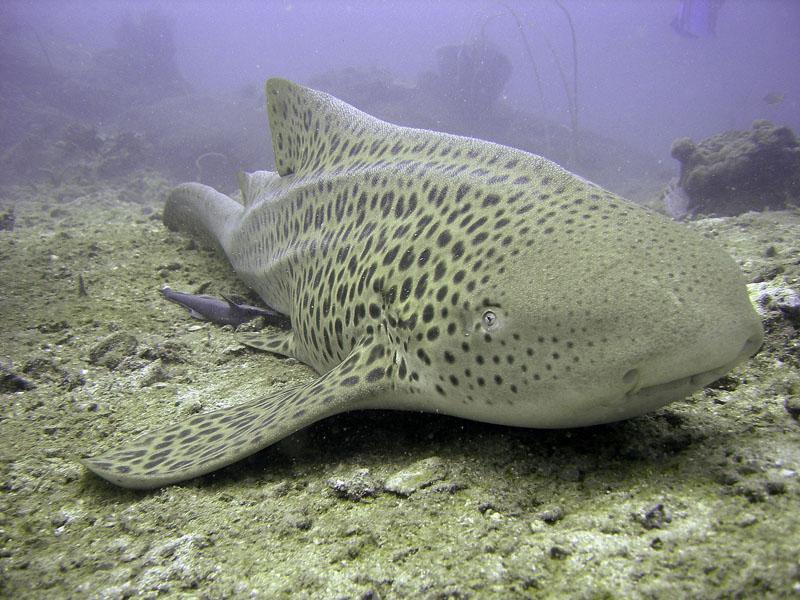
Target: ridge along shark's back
428 271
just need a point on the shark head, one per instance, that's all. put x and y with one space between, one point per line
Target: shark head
588 309
515 291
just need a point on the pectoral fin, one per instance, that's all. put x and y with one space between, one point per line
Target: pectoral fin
210 441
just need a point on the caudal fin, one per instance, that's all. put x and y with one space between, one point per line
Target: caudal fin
203 212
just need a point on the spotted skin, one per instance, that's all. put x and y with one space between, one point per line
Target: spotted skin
425 271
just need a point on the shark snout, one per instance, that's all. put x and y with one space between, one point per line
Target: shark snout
698 365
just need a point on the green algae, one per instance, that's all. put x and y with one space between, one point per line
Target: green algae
697 500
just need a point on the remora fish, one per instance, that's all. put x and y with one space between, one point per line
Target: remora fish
425 271
222 312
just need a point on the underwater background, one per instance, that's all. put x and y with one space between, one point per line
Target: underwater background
689 107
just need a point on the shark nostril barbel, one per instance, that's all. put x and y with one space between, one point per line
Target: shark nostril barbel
630 377
752 345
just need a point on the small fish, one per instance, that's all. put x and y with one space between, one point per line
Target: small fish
222 312
773 98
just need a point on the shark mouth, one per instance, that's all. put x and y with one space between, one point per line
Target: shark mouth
645 399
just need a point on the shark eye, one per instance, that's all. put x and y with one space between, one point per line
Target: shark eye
490 320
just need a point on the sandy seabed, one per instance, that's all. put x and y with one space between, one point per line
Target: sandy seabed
697 500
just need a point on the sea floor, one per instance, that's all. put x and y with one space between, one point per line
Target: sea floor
698 500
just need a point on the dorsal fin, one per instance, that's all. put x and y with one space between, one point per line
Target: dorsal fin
253 185
309 127
244 186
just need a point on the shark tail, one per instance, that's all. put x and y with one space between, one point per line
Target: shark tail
203 212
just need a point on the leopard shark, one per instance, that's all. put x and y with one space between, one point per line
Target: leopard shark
430 272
